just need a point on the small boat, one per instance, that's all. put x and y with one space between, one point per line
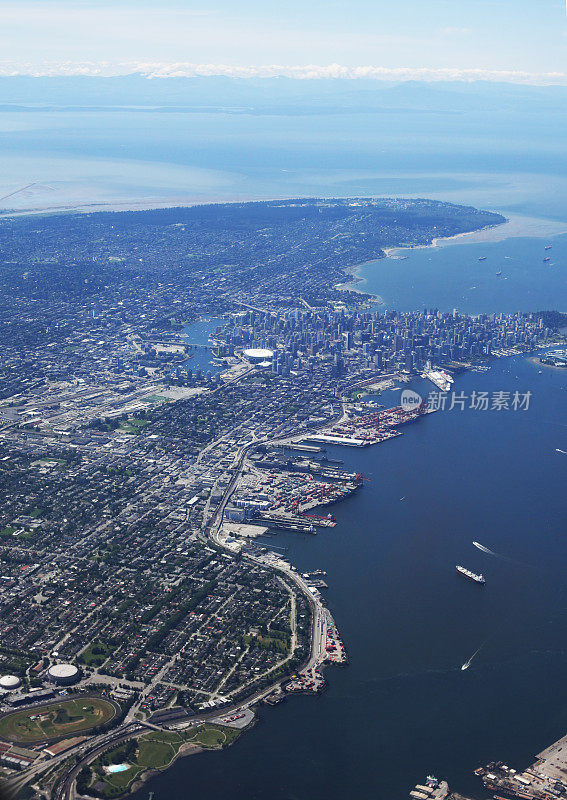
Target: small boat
548 246
484 549
499 272
547 258
482 258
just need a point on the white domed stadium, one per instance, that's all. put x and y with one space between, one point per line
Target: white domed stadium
9 682
258 354
63 674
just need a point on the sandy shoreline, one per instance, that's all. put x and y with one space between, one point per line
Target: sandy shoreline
514 226
355 277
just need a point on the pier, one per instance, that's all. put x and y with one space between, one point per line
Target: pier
545 779
362 430
304 448
432 789
283 523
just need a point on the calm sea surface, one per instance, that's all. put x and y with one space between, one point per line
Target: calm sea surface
514 163
512 276
402 708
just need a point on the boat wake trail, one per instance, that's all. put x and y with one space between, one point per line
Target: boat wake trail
467 664
490 552
485 549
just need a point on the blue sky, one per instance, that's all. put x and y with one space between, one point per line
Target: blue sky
440 36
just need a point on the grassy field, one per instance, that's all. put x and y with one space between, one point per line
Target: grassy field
156 750
208 735
96 654
154 753
56 720
36 513
119 781
133 425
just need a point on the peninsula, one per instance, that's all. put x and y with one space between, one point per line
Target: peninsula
145 610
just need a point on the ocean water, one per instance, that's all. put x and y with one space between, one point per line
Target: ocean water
126 158
512 276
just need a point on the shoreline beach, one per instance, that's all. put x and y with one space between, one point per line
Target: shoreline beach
515 226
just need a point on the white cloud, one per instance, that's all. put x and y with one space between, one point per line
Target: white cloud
301 72
450 31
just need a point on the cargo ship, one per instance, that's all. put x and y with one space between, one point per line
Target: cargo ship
471 575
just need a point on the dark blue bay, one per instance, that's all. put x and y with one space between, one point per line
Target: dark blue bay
512 276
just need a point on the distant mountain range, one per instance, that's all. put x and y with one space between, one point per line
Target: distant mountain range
276 95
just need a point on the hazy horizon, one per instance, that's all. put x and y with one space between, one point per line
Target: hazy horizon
491 38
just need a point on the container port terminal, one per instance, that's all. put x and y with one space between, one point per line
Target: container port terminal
362 430
281 493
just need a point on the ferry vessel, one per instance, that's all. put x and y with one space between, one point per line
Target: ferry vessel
471 575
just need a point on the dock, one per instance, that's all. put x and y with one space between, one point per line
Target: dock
362 430
304 448
552 762
288 523
431 789
545 779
